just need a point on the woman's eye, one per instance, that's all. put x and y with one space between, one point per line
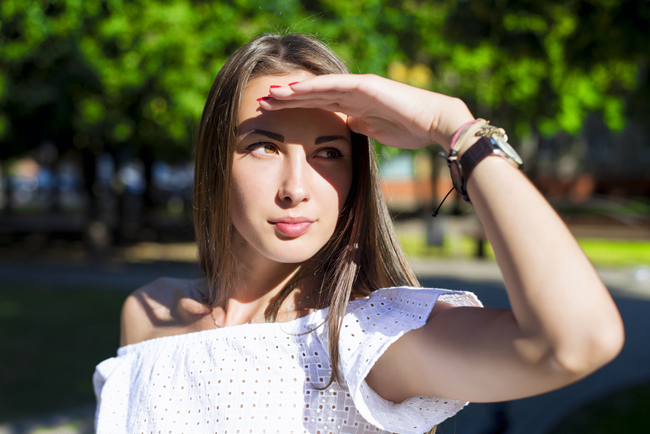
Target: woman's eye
330 153
262 148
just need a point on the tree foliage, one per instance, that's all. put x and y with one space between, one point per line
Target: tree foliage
552 62
110 74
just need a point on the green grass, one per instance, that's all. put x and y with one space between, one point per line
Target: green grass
51 338
622 412
608 253
617 252
453 247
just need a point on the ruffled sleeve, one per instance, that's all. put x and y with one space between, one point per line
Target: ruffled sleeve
111 382
370 326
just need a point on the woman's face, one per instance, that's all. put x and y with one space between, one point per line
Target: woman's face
291 174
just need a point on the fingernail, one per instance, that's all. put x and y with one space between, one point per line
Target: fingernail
295 82
274 86
264 98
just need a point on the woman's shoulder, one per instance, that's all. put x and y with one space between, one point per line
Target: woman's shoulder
164 307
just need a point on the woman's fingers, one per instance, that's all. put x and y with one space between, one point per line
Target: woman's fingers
289 95
318 92
323 104
345 88
324 84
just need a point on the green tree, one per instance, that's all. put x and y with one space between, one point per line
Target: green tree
137 72
131 76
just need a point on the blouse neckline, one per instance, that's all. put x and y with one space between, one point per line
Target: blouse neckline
311 322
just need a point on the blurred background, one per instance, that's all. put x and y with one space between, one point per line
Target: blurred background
99 108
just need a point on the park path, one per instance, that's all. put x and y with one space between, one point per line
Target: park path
537 415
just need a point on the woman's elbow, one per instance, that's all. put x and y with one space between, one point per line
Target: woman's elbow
593 351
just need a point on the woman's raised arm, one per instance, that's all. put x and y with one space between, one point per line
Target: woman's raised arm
563 324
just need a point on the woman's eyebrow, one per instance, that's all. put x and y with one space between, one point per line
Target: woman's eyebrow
269 134
280 138
326 139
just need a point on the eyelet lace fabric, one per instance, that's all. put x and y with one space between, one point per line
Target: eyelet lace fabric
269 378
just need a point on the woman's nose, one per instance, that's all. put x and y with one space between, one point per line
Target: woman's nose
294 187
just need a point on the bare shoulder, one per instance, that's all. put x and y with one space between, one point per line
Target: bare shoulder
160 308
439 307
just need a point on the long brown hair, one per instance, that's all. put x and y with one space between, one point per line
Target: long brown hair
362 255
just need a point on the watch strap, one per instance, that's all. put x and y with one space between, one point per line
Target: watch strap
492 141
476 153
461 167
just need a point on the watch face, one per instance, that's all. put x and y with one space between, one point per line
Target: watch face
507 149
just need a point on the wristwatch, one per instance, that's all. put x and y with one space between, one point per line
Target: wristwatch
493 141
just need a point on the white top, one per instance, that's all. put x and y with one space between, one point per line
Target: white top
265 378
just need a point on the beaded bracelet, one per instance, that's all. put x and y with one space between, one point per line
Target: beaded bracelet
468 132
459 132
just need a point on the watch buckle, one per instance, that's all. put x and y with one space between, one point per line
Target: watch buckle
491 131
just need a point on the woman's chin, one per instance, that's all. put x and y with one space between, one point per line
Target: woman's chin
290 258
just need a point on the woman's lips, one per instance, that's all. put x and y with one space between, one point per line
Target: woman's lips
291 228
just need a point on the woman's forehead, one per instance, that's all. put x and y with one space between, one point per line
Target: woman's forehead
252 116
296 124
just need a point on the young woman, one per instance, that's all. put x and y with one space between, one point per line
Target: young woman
290 331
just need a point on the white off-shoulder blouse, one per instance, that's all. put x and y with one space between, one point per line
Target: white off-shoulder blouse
269 377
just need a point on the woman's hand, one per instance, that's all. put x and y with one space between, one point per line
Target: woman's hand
392 113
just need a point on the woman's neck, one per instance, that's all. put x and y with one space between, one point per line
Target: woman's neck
256 288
